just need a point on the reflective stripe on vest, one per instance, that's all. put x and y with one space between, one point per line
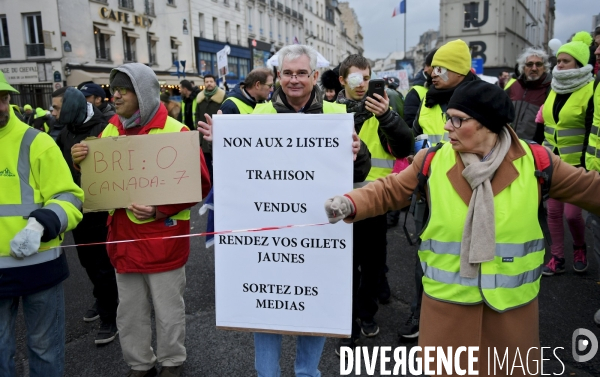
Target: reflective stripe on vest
171 125
328 108
568 135
432 122
42 257
512 278
242 106
382 162
592 156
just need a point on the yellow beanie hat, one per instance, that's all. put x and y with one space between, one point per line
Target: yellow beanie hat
454 56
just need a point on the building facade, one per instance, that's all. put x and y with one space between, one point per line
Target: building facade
31 50
497 30
351 39
320 20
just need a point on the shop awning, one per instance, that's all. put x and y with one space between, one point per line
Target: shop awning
78 76
104 30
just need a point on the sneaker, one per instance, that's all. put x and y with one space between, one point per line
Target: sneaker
410 329
384 290
142 373
345 342
597 318
92 314
170 371
107 333
580 263
555 266
369 328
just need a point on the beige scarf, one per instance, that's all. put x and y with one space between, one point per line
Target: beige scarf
479 236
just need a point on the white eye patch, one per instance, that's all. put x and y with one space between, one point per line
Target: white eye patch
441 72
354 80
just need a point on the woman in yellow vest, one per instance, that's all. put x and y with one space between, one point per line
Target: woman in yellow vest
482 249
568 113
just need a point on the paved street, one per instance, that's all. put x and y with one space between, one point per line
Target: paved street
567 302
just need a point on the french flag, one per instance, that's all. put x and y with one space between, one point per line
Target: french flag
400 9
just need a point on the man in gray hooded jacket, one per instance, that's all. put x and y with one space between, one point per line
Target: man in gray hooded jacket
150 274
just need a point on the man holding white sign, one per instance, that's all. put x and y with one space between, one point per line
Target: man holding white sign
152 270
297 94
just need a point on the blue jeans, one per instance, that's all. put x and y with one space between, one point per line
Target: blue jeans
45 321
267 348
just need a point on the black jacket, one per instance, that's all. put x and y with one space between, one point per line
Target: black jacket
70 136
412 102
188 117
107 109
362 165
229 107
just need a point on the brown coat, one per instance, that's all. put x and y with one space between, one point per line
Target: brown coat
451 325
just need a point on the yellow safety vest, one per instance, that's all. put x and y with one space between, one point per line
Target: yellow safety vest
171 125
568 135
194 104
328 108
512 278
509 83
592 154
243 107
33 175
421 91
432 122
382 162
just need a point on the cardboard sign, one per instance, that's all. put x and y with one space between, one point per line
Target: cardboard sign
145 169
274 170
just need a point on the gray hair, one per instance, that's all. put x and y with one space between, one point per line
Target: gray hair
530 51
293 52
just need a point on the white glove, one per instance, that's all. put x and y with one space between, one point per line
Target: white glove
27 241
338 208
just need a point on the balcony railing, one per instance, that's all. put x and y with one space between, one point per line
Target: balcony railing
149 8
103 53
4 52
129 56
36 49
126 4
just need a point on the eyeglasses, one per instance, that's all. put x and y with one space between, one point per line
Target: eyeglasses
299 75
537 64
269 85
456 121
119 89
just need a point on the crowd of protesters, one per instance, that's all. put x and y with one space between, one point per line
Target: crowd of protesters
475 131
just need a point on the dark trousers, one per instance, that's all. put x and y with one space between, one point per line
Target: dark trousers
415 306
97 264
368 263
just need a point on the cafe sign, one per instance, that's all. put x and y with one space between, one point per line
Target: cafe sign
124 17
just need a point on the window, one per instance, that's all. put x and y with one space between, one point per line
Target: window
128 4
215 29
152 39
202 27
129 54
149 8
34 37
227 32
171 2
238 68
260 22
208 63
4 42
271 27
102 36
249 19
175 49
471 15
238 30
279 28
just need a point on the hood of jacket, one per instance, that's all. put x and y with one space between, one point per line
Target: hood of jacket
238 92
146 88
96 119
419 79
313 106
74 108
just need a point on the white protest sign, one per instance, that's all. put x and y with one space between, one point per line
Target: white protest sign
145 169
222 61
274 170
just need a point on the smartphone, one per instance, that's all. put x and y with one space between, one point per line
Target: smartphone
376 86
